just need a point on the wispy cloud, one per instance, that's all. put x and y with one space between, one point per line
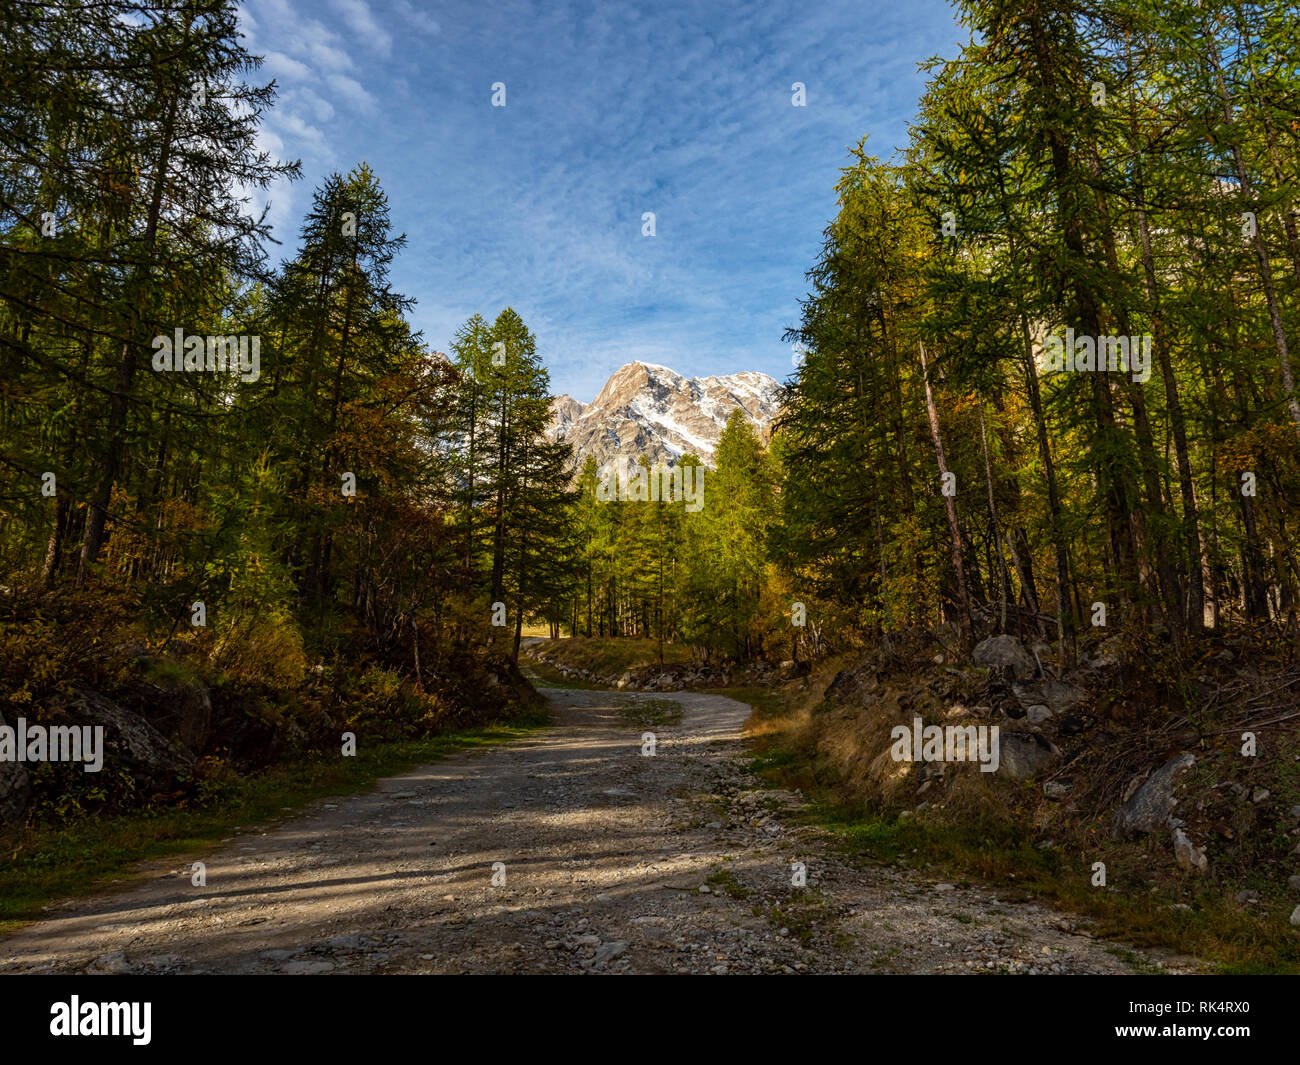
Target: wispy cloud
361 20
667 106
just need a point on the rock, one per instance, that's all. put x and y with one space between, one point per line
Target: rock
1295 916
1190 857
1293 882
15 789
161 962
1058 789
1295 812
1149 807
1259 795
1005 651
587 941
608 952
1038 714
1056 695
349 943
277 955
1024 755
129 740
110 964
307 967
945 887
1247 898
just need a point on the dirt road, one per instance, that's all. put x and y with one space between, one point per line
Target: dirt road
613 861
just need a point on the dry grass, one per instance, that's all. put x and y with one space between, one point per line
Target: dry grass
1008 833
606 656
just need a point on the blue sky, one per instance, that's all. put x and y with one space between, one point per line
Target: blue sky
612 110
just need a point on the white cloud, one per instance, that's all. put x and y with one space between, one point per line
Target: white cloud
284 67
321 108
420 21
351 90
362 22
305 136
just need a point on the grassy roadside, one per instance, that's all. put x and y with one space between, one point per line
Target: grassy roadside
545 675
765 703
1197 918
609 656
45 864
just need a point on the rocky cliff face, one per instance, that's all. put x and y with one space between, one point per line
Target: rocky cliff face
650 410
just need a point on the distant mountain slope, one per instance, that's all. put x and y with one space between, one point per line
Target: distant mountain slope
650 410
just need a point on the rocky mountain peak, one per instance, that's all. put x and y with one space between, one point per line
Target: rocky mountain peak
646 409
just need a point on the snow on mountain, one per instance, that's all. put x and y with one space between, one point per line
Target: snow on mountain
645 409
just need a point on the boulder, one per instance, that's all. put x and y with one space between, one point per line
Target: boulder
1150 806
1190 857
15 789
1108 654
128 738
1024 755
1056 695
1005 651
